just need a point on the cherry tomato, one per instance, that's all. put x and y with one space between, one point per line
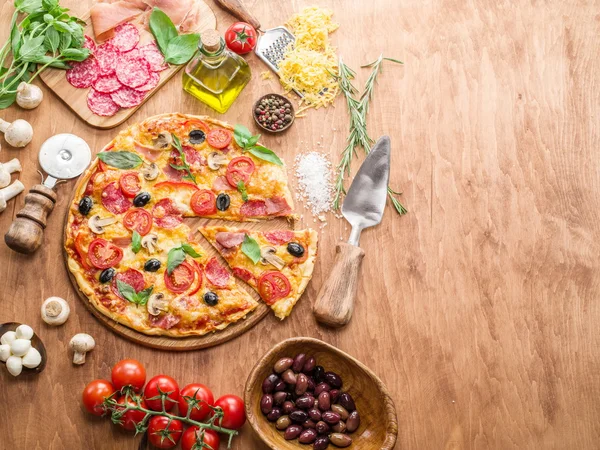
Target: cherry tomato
139 220
94 394
131 417
239 169
241 38
203 203
272 286
181 278
164 432
191 434
167 385
202 394
104 254
219 138
233 409
130 184
128 372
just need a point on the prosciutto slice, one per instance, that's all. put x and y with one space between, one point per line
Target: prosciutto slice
228 239
106 17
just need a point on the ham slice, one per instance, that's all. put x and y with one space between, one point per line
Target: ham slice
106 17
228 239
149 153
221 184
276 206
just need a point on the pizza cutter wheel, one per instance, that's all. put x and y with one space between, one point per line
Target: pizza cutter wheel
62 157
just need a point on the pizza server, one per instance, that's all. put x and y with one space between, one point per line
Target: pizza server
363 207
62 157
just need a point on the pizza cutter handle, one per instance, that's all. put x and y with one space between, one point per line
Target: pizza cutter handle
335 302
239 11
26 233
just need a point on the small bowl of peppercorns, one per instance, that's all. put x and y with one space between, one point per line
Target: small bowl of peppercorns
273 113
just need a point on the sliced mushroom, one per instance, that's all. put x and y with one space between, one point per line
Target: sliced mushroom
268 256
150 242
150 171
216 160
97 224
156 304
162 141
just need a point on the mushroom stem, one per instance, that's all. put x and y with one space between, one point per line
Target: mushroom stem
4 125
9 192
6 169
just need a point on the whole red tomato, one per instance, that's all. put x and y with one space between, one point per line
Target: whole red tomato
94 394
128 372
163 434
131 417
202 394
234 415
241 38
191 434
166 385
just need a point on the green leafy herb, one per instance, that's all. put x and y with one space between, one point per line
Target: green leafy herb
177 255
184 166
121 160
176 48
242 188
136 242
128 293
251 249
248 142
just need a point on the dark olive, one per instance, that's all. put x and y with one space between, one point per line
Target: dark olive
318 374
335 394
299 362
288 407
333 379
279 397
292 432
305 402
308 436
85 205
309 365
266 404
141 199
324 401
300 416
311 384
340 440
152 265
330 417
314 414
283 422
339 427
322 387
289 377
280 386
321 443
107 274
295 249
223 202
322 427
197 137
268 385
301 384
211 299
353 422
347 402
275 414
282 365
343 412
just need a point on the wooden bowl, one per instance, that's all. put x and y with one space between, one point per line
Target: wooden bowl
279 97
36 342
379 426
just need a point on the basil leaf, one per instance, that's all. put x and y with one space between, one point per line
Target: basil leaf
127 291
75 54
142 297
241 135
52 40
27 6
253 140
181 48
15 36
190 250
265 154
121 160
136 242
32 48
251 249
162 28
242 188
65 40
48 5
175 258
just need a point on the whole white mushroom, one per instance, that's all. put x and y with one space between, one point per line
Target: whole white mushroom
18 133
55 311
81 343
29 96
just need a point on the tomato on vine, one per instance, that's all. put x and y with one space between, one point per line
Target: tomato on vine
132 417
128 372
164 432
161 385
241 38
201 396
192 435
94 395
234 415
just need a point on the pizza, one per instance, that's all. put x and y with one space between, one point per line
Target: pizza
277 264
126 243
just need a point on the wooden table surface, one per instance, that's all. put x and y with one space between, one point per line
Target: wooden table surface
479 309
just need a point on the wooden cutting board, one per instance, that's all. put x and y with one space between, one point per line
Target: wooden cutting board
76 99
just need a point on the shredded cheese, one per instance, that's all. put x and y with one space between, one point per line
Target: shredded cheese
266 75
309 67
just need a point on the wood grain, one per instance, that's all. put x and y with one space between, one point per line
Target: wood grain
478 310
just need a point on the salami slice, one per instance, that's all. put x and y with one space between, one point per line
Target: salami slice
107 84
114 200
83 74
150 84
107 56
166 214
279 237
126 37
133 72
154 56
216 274
253 208
133 53
101 104
90 44
132 277
127 97
244 274
165 322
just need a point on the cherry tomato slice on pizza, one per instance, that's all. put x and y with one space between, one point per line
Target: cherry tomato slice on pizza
273 286
203 203
219 138
139 220
239 169
104 254
181 278
130 184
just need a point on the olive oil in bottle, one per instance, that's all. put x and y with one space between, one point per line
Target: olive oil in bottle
215 76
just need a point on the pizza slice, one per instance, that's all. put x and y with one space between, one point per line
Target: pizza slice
277 264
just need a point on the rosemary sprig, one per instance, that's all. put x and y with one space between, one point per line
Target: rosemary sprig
358 136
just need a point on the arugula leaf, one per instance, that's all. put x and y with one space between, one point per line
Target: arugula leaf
181 48
177 255
248 142
121 160
162 28
265 154
185 166
136 242
128 293
242 188
251 249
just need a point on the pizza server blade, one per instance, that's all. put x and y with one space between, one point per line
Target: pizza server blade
63 157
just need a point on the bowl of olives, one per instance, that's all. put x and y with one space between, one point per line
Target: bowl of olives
305 393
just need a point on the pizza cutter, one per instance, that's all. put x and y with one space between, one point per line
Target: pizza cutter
62 157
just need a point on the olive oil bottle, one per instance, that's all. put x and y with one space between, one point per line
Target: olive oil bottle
215 76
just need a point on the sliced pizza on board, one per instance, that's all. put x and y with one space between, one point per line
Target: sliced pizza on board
277 264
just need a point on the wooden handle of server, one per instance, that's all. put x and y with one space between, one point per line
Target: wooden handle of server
26 233
335 303
239 11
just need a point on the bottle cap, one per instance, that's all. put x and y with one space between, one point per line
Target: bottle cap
211 40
